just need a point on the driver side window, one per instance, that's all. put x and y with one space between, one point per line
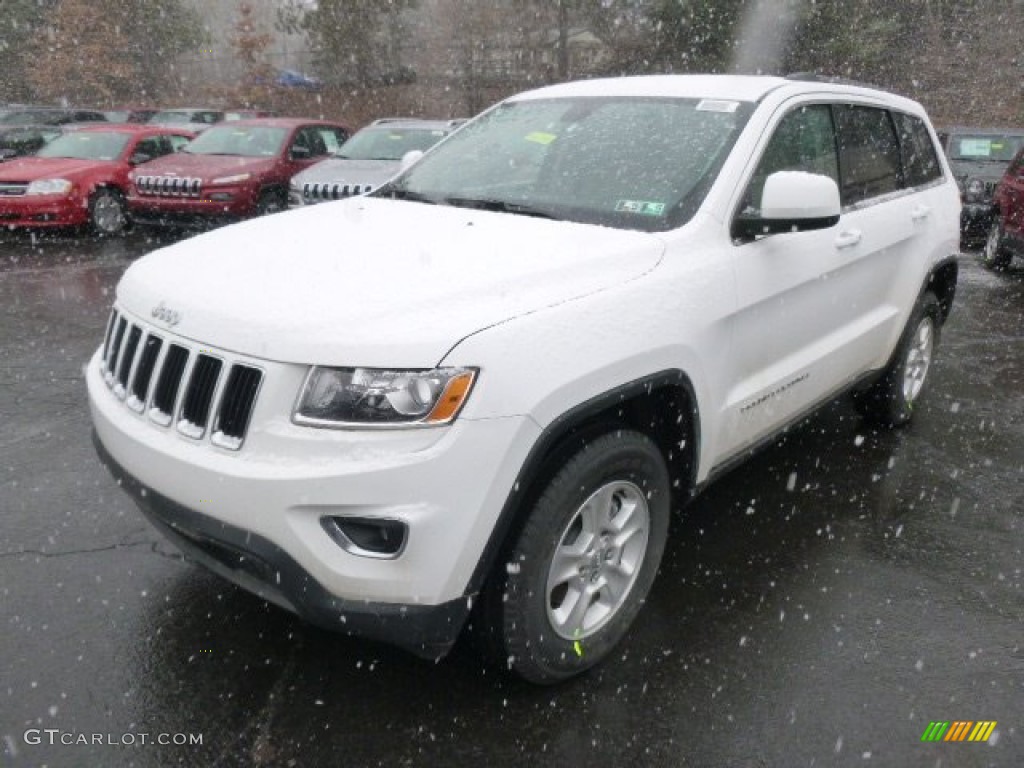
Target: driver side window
804 140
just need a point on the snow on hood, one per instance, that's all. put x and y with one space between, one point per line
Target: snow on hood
375 283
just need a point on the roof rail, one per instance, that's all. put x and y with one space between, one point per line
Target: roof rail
814 77
381 120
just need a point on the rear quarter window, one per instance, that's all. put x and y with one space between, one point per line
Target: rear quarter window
920 159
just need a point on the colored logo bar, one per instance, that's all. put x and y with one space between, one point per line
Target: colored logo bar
958 730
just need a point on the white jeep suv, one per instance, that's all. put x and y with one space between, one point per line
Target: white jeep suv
483 387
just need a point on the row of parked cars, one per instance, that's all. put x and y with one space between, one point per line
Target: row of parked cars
176 170
167 167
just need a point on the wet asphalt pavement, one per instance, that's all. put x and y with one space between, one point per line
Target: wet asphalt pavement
817 607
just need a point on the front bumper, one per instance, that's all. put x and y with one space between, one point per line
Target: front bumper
975 219
188 212
261 567
255 515
42 211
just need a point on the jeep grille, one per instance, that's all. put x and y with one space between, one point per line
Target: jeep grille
168 186
171 382
315 193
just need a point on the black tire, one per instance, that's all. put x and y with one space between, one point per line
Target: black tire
891 400
995 255
108 213
528 608
270 201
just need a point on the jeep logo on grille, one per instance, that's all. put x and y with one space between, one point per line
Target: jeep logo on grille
170 316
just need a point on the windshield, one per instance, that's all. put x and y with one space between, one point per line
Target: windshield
631 163
86 145
247 141
994 148
384 143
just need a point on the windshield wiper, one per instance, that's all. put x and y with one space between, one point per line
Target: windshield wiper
502 206
397 193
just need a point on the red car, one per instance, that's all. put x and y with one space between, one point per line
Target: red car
81 177
231 171
1006 233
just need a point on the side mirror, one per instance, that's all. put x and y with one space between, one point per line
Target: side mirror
139 158
792 201
410 158
300 153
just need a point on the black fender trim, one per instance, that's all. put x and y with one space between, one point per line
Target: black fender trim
566 431
941 280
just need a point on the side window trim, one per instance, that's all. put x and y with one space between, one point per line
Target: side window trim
784 111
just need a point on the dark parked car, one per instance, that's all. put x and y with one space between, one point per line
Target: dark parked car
18 140
50 116
230 171
978 157
1006 231
130 114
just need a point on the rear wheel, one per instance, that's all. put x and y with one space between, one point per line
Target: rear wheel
580 569
891 400
107 212
995 254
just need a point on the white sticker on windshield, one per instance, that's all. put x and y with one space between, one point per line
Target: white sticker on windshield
717 105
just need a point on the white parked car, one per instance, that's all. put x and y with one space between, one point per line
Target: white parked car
483 387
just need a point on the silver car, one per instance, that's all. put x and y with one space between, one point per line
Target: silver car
368 159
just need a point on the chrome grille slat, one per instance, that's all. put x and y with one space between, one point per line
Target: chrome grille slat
169 186
144 372
115 349
236 405
168 384
124 368
195 407
13 188
203 395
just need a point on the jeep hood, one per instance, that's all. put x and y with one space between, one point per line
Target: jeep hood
337 170
373 282
205 167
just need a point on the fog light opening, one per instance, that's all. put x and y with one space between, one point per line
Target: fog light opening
367 537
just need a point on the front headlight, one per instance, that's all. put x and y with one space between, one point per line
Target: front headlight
49 187
237 178
974 191
361 397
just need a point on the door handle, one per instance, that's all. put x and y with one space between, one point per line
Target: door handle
920 212
848 238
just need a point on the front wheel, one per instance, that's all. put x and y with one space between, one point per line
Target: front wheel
107 212
581 568
995 255
270 202
891 400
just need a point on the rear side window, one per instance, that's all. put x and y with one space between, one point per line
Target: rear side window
920 161
869 153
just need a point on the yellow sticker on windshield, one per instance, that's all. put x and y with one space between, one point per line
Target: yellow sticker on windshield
540 137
